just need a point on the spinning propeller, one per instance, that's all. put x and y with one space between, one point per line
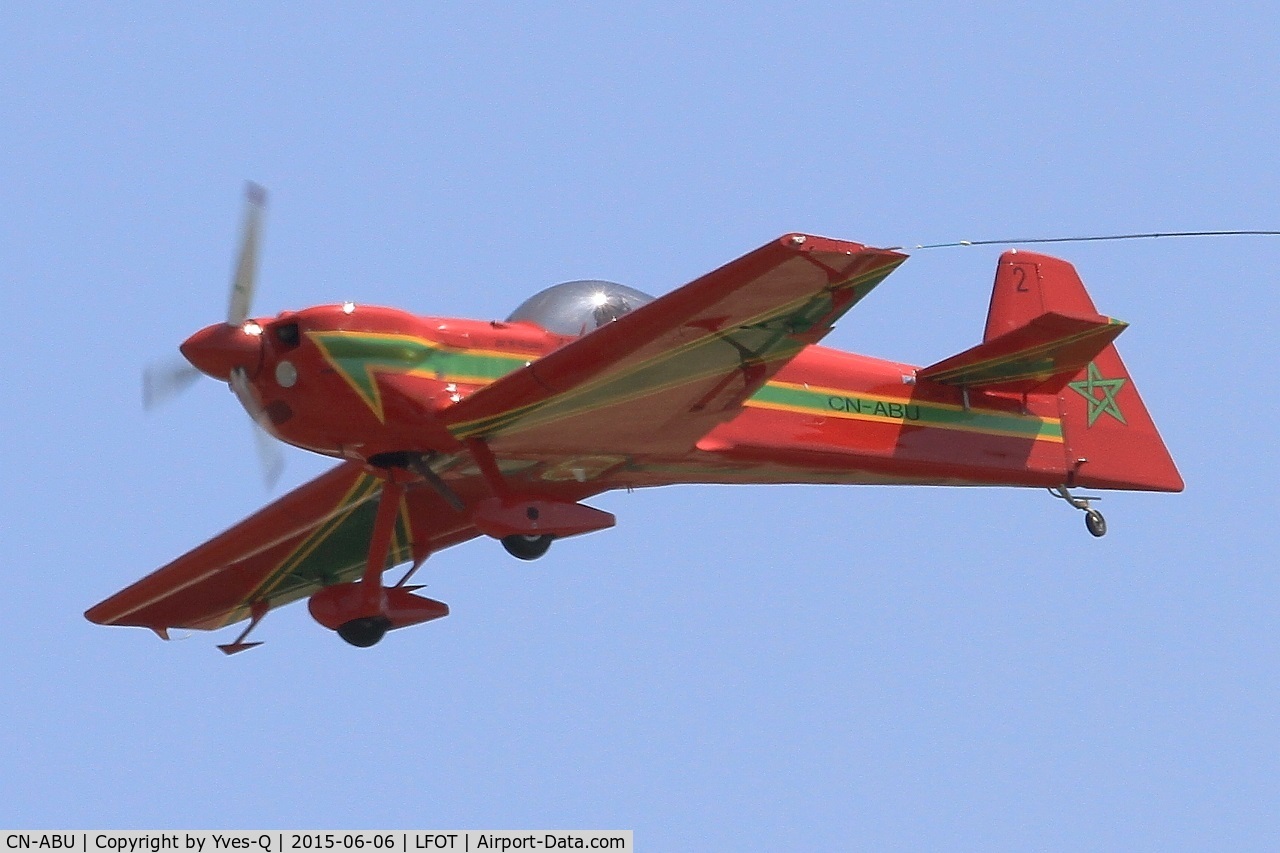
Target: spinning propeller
229 351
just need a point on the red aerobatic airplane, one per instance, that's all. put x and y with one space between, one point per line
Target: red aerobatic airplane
451 429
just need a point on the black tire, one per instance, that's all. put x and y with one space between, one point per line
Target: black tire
527 547
1096 523
364 632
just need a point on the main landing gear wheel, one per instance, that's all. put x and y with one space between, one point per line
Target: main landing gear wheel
1096 523
364 632
527 547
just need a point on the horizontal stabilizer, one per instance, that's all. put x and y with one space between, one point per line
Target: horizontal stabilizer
1040 355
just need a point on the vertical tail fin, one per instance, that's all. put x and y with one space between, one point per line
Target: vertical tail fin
1109 438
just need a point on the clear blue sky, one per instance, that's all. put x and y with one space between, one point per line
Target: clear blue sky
799 668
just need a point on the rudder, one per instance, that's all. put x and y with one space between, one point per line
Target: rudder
1028 285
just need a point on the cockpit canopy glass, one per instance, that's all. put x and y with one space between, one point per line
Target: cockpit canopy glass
577 307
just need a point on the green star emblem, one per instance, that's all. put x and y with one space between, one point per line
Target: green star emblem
1094 383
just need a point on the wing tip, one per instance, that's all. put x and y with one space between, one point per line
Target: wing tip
802 243
98 615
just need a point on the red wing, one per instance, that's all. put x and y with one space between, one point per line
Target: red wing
669 371
314 536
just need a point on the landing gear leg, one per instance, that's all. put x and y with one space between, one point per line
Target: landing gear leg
1093 520
367 630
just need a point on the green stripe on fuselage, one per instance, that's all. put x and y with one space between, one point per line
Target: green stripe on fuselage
830 402
359 355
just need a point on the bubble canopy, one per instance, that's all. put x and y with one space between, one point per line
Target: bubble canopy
577 307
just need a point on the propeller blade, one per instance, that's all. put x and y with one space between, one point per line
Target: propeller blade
240 385
242 285
162 382
270 458
214 349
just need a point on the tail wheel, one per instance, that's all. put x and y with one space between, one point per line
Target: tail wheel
1096 523
527 547
1093 519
